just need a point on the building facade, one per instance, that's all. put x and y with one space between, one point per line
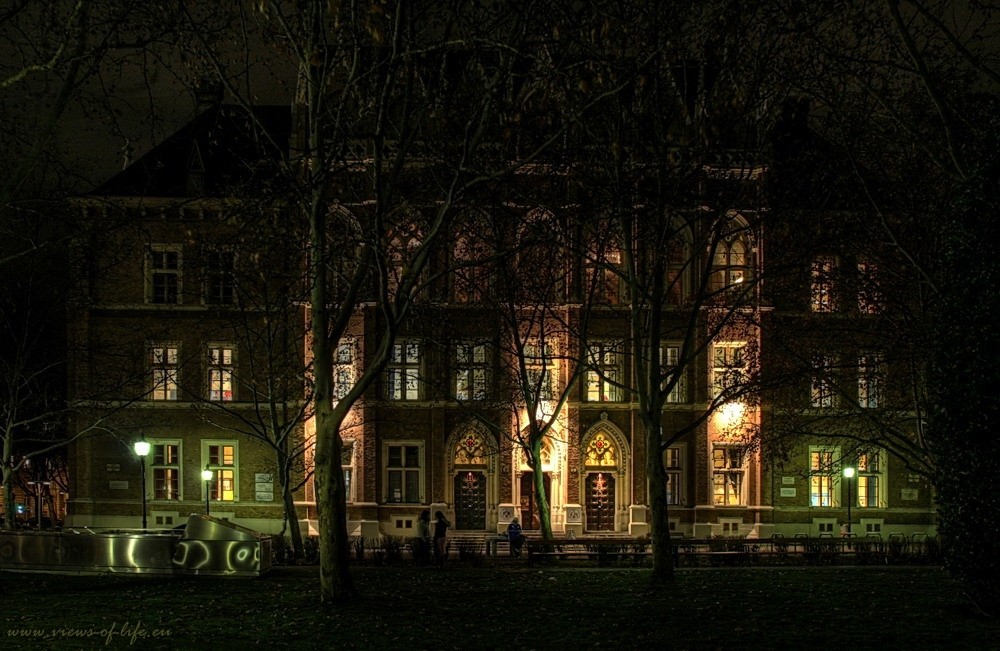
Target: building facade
191 333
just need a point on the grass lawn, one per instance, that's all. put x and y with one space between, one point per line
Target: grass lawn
510 608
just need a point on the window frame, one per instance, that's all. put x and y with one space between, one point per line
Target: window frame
870 376
219 273
476 385
153 271
170 380
403 372
472 280
177 467
601 282
824 477
675 471
349 454
538 368
730 267
404 470
605 374
219 373
725 472
869 287
345 355
218 468
734 367
822 284
865 473
670 358
823 388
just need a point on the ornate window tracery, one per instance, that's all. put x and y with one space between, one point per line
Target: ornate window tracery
601 451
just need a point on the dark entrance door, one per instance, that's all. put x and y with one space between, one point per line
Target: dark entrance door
600 502
529 501
470 500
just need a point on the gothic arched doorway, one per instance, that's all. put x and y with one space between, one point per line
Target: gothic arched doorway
472 464
603 478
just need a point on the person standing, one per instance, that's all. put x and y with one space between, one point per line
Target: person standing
423 539
441 525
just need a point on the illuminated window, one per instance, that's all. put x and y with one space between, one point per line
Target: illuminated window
221 458
219 278
165 466
823 269
822 393
869 291
404 473
601 451
604 375
870 481
729 264
472 371
823 474
163 364
471 450
403 374
672 465
221 365
537 359
728 473
347 465
670 359
163 274
869 385
343 368
729 369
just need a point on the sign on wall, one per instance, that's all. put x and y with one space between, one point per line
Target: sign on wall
263 484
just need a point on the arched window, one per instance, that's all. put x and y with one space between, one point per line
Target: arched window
602 273
601 451
729 268
403 244
472 279
470 450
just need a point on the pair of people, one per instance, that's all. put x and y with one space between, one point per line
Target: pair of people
439 543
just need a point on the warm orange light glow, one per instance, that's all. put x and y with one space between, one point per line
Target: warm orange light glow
730 415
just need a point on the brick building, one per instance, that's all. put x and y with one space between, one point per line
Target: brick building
167 346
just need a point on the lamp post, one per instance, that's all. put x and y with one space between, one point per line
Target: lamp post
206 476
848 476
141 448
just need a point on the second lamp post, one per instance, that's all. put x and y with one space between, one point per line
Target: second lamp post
206 476
848 476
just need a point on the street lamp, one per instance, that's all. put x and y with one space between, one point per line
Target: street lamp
206 476
848 475
141 448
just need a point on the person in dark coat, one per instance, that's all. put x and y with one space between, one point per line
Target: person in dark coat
441 525
515 536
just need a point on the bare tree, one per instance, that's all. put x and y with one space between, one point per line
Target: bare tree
674 187
390 98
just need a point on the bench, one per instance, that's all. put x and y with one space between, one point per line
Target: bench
603 550
491 543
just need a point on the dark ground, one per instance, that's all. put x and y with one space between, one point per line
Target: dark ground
501 607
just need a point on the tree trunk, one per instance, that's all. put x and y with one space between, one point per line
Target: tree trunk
659 524
336 584
541 498
8 496
291 515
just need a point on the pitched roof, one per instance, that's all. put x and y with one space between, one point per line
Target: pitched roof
223 151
